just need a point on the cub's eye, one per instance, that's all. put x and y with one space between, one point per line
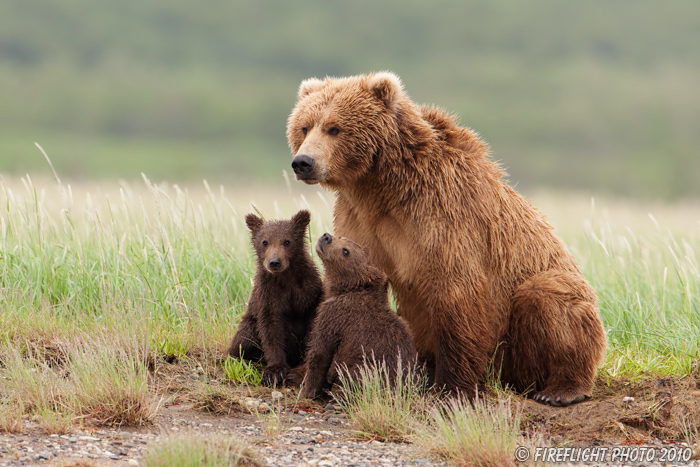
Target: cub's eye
333 131
304 131
286 243
345 252
264 242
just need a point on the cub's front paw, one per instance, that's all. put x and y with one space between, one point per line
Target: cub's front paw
274 375
308 392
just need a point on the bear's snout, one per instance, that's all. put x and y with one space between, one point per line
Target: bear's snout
274 264
303 165
326 238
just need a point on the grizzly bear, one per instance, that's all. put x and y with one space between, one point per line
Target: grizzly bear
354 324
286 292
476 271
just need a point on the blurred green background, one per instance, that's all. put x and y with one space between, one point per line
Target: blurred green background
590 96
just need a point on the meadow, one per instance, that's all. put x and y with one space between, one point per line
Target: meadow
100 282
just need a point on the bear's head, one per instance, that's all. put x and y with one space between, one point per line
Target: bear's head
340 126
347 265
278 243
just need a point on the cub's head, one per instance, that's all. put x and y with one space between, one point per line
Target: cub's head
346 264
277 243
339 125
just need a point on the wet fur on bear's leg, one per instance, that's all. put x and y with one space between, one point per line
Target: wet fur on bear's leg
554 339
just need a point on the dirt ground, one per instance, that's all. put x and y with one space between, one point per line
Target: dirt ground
624 411
645 411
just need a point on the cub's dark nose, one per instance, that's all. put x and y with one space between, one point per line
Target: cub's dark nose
302 164
326 238
275 264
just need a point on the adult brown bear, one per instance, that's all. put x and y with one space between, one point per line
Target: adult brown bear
476 271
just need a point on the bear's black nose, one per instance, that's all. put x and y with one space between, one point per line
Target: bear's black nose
326 238
303 164
275 263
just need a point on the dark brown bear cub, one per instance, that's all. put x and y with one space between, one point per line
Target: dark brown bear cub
354 321
286 292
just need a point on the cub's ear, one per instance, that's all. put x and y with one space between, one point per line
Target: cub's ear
301 219
308 86
387 87
253 222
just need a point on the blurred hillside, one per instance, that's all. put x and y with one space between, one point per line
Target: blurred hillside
599 95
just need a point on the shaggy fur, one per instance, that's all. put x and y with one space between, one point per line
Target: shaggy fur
477 272
354 323
283 302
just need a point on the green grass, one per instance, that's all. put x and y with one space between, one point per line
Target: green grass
476 434
198 451
648 286
92 381
383 409
170 267
242 371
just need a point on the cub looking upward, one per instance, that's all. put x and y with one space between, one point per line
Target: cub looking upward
286 292
354 322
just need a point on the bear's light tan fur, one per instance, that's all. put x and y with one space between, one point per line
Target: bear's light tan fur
477 272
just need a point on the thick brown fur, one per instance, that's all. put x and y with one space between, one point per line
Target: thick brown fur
476 270
354 324
286 292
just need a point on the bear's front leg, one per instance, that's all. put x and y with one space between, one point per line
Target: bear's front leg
465 337
272 330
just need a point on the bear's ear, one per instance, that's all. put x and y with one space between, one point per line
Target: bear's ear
301 219
308 86
253 222
387 87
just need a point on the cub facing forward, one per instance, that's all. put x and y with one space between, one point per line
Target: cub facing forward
286 292
354 321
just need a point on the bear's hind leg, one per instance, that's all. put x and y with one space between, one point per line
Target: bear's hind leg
556 340
246 343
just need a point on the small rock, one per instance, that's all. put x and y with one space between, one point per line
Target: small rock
89 438
628 399
133 463
276 395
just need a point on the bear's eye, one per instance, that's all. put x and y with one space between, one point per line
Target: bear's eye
286 243
333 131
264 242
304 130
345 252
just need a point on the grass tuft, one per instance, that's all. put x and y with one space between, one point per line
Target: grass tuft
97 384
11 414
242 371
473 434
382 409
200 452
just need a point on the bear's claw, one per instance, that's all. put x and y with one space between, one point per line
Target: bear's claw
560 399
275 375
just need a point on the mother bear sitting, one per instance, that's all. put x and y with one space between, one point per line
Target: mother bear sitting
476 271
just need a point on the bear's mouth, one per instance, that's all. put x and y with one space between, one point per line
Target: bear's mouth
319 248
309 179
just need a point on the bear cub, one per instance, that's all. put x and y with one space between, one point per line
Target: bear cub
286 292
354 323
